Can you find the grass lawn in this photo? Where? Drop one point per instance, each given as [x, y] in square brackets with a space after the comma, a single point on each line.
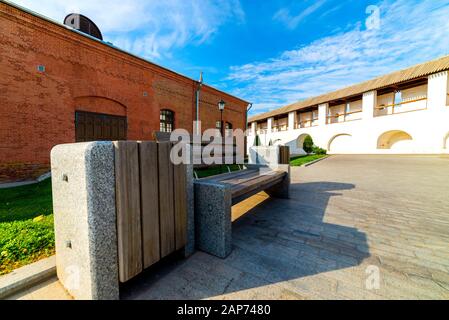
[300, 160]
[26, 225]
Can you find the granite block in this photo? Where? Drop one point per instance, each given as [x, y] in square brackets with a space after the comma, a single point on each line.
[83, 184]
[213, 228]
[190, 245]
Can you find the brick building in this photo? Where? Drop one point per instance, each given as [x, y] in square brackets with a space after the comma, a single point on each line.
[58, 85]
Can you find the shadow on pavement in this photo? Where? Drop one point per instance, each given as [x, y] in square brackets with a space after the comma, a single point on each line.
[276, 241]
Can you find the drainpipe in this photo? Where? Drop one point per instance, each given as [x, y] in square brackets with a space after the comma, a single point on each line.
[197, 118]
[246, 116]
[250, 105]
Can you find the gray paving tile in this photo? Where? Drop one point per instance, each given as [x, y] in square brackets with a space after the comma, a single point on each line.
[345, 214]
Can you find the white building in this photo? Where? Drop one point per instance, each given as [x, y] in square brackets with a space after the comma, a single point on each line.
[406, 112]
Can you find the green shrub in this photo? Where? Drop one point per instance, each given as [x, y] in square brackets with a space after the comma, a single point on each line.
[308, 144]
[257, 141]
[318, 150]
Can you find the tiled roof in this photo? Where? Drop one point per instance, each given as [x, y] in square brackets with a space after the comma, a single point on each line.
[420, 70]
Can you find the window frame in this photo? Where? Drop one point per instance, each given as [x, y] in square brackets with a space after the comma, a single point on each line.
[168, 123]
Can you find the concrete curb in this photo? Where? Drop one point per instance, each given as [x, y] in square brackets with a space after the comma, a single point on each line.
[25, 183]
[314, 161]
[27, 276]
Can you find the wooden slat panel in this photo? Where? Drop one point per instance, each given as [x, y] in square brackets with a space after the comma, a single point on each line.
[94, 126]
[80, 127]
[256, 183]
[149, 192]
[98, 123]
[281, 154]
[129, 233]
[254, 189]
[284, 155]
[89, 129]
[248, 175]
[166, 200]
[229, 175]
[122, 133]
[114, 128]
[180, 198]
[249, 179]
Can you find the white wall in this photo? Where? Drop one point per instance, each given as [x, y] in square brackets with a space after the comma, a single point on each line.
[428, 128]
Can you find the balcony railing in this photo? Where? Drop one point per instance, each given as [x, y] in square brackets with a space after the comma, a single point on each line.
[279, 128]
[306, 123]
[344, 117]
[415, 104]
[401, 107]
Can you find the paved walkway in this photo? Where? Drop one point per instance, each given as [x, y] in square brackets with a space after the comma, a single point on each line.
[48, 290]
[348, 217]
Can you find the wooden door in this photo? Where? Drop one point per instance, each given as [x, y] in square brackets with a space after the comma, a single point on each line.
[91, 126]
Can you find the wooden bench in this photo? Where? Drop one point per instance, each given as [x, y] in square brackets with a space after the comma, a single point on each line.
[214, 197]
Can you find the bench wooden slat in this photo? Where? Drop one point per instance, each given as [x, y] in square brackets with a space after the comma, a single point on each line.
[242, 178]
[166, 199]
[250, 192]
[256, 183]
[149, 184]
[246, 180]
[228, 175]
[129, 231]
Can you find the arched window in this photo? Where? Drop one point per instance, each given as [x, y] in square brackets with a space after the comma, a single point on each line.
[228, 125]
[167, 120]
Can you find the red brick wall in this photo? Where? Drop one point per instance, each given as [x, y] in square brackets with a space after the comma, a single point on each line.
[37, 109]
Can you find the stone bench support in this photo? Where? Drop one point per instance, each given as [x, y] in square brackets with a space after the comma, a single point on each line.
[85, 221]
[213, 202]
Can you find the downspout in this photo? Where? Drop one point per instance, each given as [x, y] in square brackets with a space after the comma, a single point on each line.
[246, 116]
[198, 89]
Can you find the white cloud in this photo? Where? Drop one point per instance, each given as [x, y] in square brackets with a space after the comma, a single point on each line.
[292, 21]
[149, 28]
[410, 33]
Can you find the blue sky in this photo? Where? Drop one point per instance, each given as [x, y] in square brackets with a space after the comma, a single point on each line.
[270, 52]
